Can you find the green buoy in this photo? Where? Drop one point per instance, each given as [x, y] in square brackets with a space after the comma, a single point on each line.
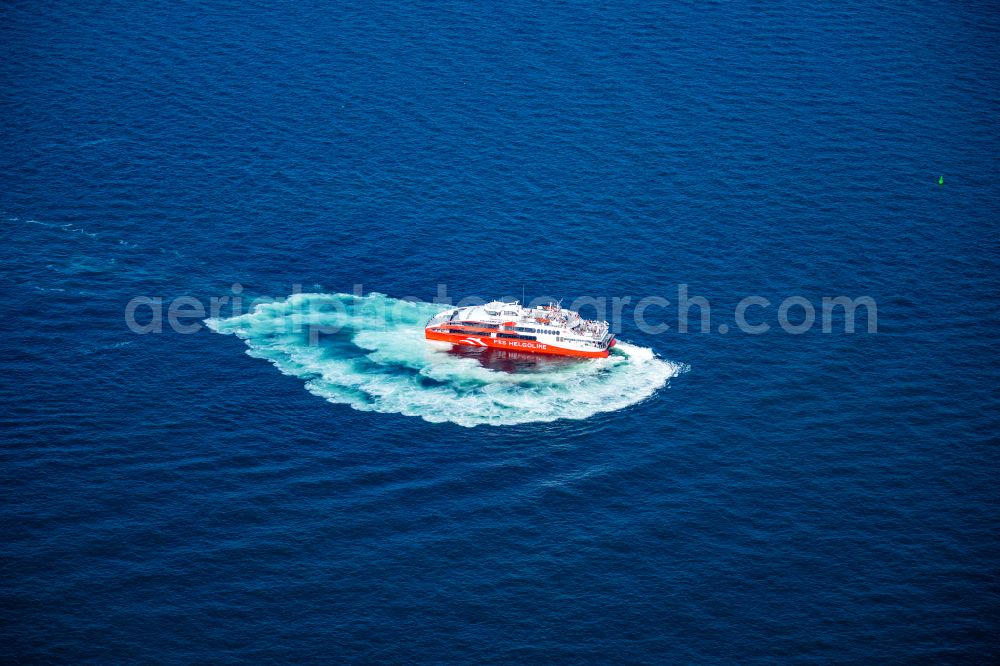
[940, 181]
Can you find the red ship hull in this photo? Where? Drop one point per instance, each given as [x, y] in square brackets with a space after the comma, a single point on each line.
[510, 344]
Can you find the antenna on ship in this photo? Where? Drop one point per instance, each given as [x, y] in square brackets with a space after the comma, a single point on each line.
[522, 294]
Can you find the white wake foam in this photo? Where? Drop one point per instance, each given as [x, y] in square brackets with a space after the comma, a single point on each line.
[369, 352]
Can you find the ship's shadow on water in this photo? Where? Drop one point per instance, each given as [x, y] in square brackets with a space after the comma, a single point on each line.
[512, 362]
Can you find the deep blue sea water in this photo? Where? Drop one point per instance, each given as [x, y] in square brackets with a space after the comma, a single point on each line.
[710, 498]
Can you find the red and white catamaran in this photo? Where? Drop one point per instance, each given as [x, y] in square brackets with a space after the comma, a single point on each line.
[547, 329]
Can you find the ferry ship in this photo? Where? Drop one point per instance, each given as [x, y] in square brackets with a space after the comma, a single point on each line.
[546, 329]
